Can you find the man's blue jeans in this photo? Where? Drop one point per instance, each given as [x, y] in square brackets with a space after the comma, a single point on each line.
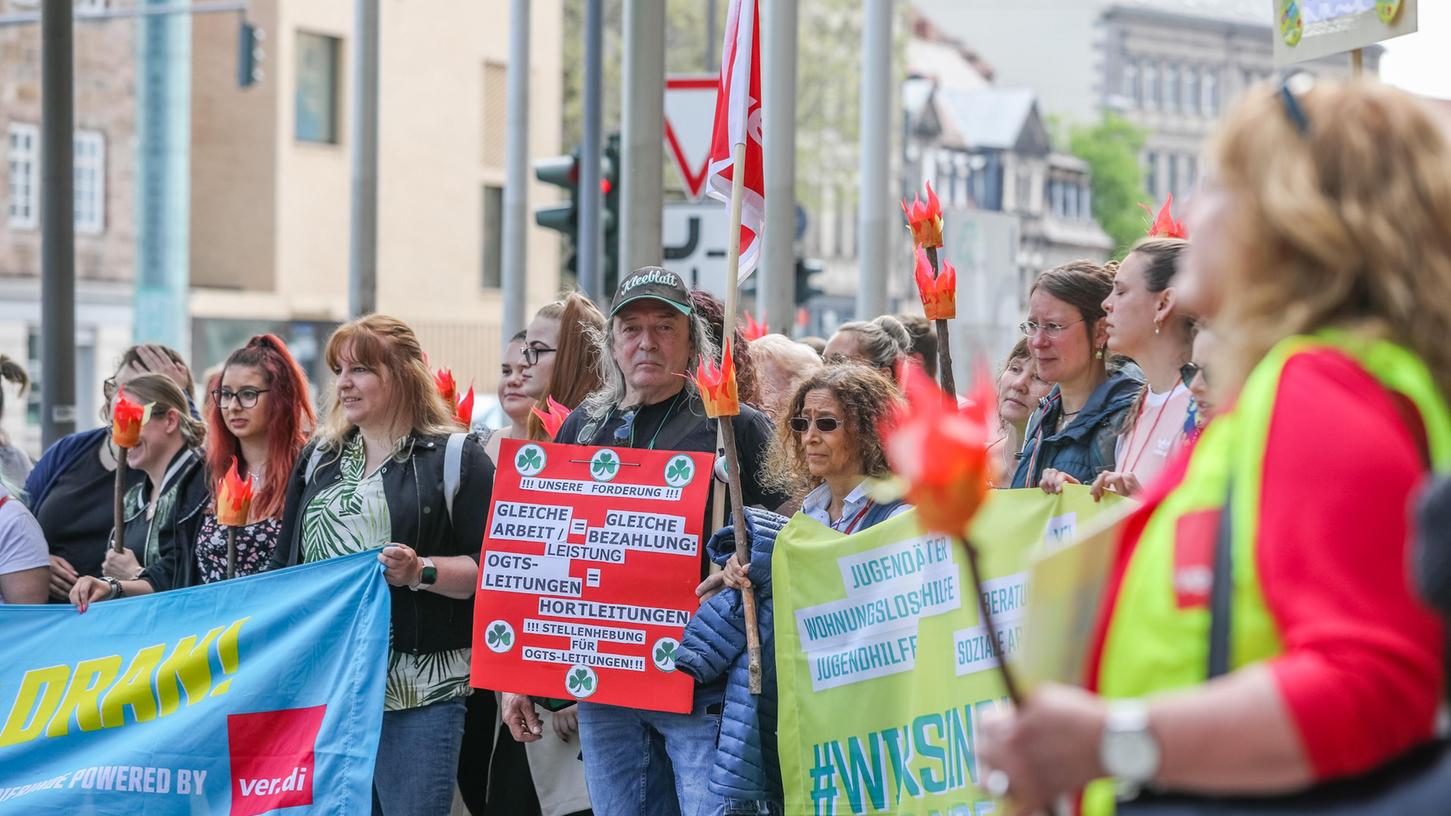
[418, 760]
[649, 762]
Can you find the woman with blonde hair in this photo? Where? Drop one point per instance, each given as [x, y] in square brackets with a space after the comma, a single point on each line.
[158, 510]
[1322, 258]
[375, 477]
[562, 356]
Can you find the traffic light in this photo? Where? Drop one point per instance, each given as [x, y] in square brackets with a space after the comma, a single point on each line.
[561, 171]
[249, 55]
[610, 198]
[805, 291]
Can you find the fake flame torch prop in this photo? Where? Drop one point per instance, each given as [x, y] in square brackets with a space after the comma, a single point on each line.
[234, 502]
[127, 417]
[553, 417]
[936, 282]
[941, 452]
[717, 387]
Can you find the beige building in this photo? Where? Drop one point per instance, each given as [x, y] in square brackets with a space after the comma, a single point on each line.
[270, 183]
[271, 177]
[105, 229]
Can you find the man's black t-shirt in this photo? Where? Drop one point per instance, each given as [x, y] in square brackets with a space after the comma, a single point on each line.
[680, 424]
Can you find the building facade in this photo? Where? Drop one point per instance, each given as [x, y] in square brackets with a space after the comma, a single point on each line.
[1174, 73]
[271, 177]
[105, 189]
[268, 206]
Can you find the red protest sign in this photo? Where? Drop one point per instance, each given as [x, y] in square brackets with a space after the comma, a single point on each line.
[588, 573]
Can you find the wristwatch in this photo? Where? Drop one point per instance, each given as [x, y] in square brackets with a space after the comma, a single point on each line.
[115, 586]
[427, 576]
[1128, 750]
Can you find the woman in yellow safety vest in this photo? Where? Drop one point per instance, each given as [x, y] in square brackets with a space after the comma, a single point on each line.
[1322, 255]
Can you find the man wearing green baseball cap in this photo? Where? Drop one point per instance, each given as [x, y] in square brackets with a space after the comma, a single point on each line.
[638, 761]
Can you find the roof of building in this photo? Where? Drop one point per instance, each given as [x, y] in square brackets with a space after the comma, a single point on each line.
[992, 118]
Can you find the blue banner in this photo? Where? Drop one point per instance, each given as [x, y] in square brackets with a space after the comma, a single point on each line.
[244, 697]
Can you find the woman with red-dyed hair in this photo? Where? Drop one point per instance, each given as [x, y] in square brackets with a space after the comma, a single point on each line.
[260, 413]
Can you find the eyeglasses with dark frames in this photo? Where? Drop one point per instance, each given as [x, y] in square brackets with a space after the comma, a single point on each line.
[247, 397]
[531, 354]
[1189, 371]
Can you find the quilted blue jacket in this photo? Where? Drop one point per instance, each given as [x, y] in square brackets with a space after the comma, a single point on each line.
[747, 765]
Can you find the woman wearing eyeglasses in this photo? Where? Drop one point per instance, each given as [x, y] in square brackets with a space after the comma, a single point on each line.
[559, 339]
[827, 449]
[1146, 323]
[70, 489]
[1073, 434]
[1259, 633]
[1196, 375]
[260, 414]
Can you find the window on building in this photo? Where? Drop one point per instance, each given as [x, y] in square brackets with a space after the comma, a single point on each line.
[1171, 87]
[1087, 207]
[1131, 89]
[1191, 90]
[1151, 174]
[1151, 79]
[1025, 189]
[1209, 93]
[89, 5]
[23, 156]
[493, 237]
[1191, 173]
[317, 88]
[1173, 167]
[90, 179]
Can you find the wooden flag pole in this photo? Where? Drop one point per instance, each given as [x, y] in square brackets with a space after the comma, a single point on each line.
[944, 342]
[727, 429]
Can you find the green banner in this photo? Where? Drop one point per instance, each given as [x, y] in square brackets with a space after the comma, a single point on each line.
[883, 669]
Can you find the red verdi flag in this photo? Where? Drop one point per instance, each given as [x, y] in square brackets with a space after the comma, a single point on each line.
[738, 121]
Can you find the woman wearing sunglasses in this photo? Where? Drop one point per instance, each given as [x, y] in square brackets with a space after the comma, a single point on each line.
[1259, 634]
[1195, 375]
[827, 449]
[260, 414]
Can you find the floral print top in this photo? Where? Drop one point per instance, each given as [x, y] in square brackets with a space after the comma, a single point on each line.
[255, 544]
[351, 515]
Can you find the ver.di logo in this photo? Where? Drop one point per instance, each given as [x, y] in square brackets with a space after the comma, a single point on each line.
[581, 681]
[499, 637]
[665, 653]
[679, 471]
[604, 465]
[529, 460]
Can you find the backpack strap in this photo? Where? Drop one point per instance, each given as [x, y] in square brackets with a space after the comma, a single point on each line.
[453, 463]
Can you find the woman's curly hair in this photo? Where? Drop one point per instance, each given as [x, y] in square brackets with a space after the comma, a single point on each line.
[867, 398]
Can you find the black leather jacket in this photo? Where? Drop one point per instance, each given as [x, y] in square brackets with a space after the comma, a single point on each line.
[423, 622]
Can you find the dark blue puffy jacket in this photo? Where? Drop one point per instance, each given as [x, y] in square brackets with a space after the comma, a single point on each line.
[747, 765]
[1085, 447]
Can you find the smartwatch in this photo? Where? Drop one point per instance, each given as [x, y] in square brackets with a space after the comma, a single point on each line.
[427, 577]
